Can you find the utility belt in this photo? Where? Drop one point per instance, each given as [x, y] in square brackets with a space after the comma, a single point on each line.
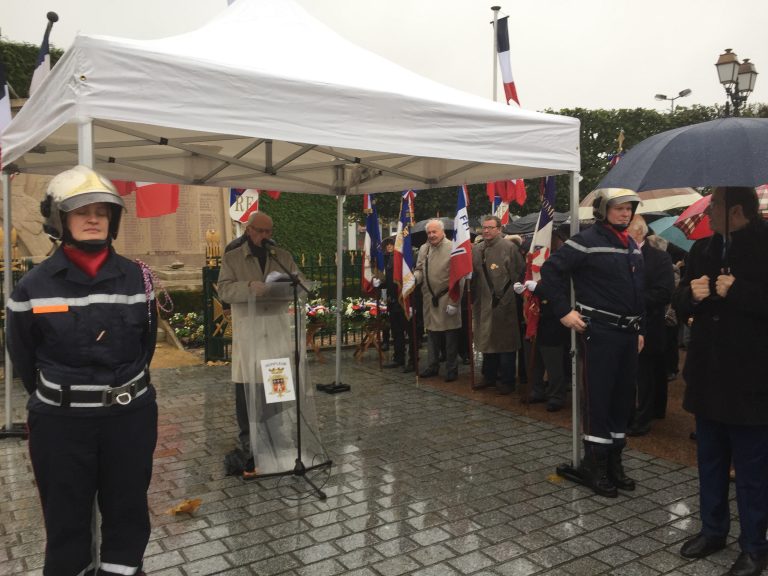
[90, 395]
[631, 323]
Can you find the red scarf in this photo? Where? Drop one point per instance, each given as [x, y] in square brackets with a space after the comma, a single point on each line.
[88, 262]
[623, 235]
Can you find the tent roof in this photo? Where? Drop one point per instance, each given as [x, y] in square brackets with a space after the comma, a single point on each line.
[265, 96]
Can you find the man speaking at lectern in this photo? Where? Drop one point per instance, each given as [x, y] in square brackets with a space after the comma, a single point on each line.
[261, 326]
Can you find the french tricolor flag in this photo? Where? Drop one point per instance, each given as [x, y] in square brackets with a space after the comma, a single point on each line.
[403, 255]
[502, 48]
[461, 249]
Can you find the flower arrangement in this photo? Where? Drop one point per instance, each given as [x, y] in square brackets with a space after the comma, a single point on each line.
[189, 328]
[358, 311]
[317, 311]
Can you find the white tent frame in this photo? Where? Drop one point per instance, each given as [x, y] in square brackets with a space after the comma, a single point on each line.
[381, 140]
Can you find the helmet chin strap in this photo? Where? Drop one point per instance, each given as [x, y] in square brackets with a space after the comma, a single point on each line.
[86, 245]
[619, 227]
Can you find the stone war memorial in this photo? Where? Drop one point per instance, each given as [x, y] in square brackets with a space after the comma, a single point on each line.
[174, 245]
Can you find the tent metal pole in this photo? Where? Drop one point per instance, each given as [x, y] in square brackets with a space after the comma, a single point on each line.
[7, 287]
[340, 198]
[574, 178]
[85, 151]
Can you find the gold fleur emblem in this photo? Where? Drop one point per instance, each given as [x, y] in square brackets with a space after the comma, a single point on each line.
[494, 266]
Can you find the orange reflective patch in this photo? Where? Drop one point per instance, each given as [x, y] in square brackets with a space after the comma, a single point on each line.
[50, 309]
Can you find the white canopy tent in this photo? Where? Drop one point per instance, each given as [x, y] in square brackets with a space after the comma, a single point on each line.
[265, 96]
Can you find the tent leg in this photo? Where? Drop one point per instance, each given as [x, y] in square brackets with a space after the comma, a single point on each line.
[85, 154]
[11, 429]
[337, 386]
[565, 469]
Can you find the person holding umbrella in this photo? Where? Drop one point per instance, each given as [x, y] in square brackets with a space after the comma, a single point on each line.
[725, 291]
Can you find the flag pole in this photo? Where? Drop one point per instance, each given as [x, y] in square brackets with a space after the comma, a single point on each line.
[495, 51]
[414, 344]
[470, 336]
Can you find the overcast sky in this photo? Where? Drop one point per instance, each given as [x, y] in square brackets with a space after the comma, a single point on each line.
[565, 53]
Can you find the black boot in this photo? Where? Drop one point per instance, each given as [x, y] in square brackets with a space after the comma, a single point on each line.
[616, 470]
[594, 471]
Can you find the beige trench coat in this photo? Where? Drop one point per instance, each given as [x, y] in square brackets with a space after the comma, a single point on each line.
[267, 319]
[436, 319]
[495, 329]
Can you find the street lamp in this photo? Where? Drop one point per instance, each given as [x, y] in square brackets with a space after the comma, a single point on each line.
[738, 79]
[681, 94]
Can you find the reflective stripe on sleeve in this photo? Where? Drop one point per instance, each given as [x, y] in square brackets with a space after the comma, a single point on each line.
[27, 305]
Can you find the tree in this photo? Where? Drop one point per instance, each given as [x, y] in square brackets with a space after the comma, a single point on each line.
[19, 60]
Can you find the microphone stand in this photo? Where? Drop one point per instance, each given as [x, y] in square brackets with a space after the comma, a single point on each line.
[299, 469]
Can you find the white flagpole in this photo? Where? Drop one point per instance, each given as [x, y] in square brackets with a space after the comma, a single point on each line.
[495, 51]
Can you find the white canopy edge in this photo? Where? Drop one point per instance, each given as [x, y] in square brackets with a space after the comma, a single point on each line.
[266, 96]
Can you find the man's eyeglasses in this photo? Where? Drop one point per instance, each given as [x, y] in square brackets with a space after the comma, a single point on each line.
[489, 227]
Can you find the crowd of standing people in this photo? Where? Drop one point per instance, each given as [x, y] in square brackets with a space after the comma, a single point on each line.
[82, 328]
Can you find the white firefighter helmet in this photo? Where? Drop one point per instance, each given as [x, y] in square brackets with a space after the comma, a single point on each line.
[605, 197]
[74, 188]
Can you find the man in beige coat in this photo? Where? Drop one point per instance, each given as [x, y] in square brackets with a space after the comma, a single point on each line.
[442, 316]
[497, 264]
[261, 326]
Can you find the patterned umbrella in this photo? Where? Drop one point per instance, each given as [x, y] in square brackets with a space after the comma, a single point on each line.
[694, 222]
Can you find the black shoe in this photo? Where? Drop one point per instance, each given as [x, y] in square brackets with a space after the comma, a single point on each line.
[748, 565]
[451, 377]
[639, 430]
[701, 546]
[616, 472]
[428, 373]
[408, 368]
[465, 360]
[534, 400]
[502, 390]
[483, 384]
[554, 407]
[393, 365]
[385, 346]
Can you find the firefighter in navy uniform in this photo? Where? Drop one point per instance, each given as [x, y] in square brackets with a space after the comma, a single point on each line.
[81, 334]
[606, 267]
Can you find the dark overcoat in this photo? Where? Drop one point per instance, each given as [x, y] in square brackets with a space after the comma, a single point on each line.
[725, 368]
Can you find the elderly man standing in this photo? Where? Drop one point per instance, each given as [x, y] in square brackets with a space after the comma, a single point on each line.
[497, 264]
[246, 281]
[442, 316]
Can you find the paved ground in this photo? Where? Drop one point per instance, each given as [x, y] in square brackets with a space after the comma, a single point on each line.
[424, 482]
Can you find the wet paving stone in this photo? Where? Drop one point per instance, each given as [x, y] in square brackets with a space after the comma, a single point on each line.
[424, 483]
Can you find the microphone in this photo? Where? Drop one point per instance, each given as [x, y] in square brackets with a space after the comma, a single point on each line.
[269, 244]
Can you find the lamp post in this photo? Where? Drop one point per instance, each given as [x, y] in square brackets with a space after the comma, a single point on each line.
[681, 94]
[738, 80]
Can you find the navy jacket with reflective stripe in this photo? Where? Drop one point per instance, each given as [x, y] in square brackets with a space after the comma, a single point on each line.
[606, 275]
[81, 330]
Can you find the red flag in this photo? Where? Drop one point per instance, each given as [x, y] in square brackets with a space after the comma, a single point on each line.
[520, 195]
[508, 190]
[274, 194]
[156, 199]
[461, 249]
[124, 187]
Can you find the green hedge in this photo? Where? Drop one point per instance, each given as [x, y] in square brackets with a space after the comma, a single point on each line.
[20, 59]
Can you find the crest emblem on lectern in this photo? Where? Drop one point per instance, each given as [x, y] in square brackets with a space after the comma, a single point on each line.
[277, 380]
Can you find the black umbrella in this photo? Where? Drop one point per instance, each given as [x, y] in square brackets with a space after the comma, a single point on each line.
[527, 224]
[724, 152]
